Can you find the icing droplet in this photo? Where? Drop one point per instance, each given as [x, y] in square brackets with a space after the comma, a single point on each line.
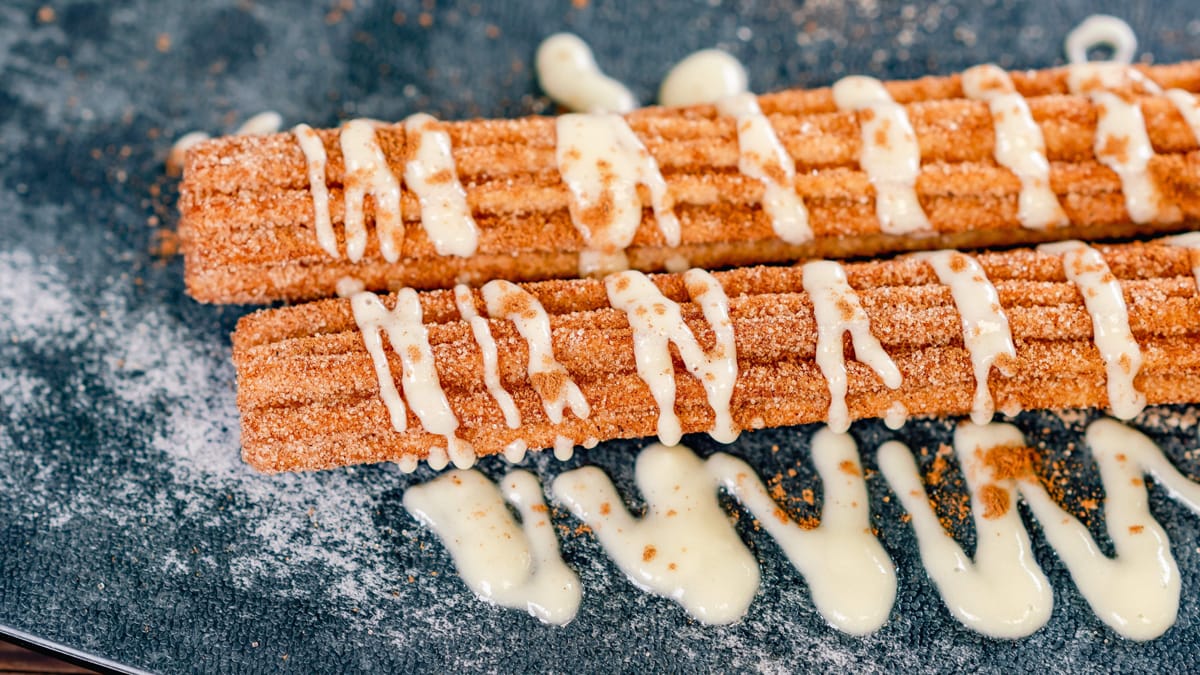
[567, 72]
[706, 76]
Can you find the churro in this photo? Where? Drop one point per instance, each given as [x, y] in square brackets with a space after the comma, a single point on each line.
[582, 361]
[979, 159]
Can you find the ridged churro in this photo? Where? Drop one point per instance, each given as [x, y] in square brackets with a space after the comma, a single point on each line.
[942, 333]
[858, 169]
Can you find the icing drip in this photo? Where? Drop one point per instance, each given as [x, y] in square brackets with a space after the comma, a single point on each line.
[1020, 147]
[511, 565]
[487, 349]
[762, 157]
[564, 448]
[657, 321]
[1122, 142]
[367, 173]
[506, 300]
[684, 548]
[896, 416]
[890, 155]
[438, 459]
[838, 310]
[1101, 292]
[986, 334]
[706, 76]
[407, 463]
[419, 378]
[853, 582]
[433, 177]
[567, 72]
[315, 161]
[1123, 145]
[515, 452]
[603, 162]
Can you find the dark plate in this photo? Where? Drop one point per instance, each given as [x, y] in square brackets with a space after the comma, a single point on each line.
[130, 529]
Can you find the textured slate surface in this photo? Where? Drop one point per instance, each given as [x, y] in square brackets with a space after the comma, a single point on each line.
[130, 529]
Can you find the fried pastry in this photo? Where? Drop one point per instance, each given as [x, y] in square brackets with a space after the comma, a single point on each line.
[978, 159]
[451, 374]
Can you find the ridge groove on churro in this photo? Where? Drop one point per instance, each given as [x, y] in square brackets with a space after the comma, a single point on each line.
[1066, 326]
[859, 169]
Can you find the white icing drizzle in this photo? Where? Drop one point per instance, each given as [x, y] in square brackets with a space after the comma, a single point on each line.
[368, 173]
[1101, 29]
[657, 321]
[506, 300]
[432, 175]
[1188, 105]
[1003, 592]
[706, 76]
[315, 162]
[1020, 147]
[1101, 292]
[762, 157]
[1122, 142]
[567, 72]
[511, 565]
[853, 582]
[487, 349]
[564, 448]
[1123, 145]
[1137, 592]
[893, 165]
[684, 548]
[1190, 240]
[838, 310]
[986, 334]
[602, 162]
[419, 378]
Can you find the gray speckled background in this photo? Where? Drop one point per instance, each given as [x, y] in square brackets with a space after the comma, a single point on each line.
[130, 530]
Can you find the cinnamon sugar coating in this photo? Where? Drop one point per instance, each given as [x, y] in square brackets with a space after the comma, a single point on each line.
[309, 397]
[248, 223]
